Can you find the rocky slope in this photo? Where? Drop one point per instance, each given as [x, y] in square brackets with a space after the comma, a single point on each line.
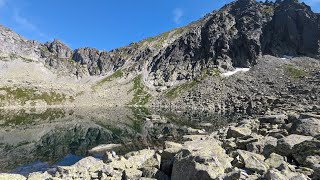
[237, 35]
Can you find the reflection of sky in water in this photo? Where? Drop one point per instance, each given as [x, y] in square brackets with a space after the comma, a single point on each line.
[38, 166]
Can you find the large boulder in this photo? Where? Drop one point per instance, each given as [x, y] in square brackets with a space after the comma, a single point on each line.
[275, 160]
[202, 159]
[275, 174]
[251, 161]
[274, 119]
[86, 168]
[308, 126]
[237, 132]
[285, 145]
[264, 146]
[137, 159]
[167, 156]
[6, 176]
[38, 175]
[307, 153]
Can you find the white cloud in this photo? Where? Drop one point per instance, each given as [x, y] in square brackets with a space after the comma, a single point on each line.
[177, 15]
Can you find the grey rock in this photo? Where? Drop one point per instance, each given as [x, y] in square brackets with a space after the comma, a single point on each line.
[265, 146]
[131, 174]
[203, 159]
[307, 153]
[274, 119]
[151, 172]
[251, 161]
[37, 176]
[275, 160]
[237, 132]
[12, 176]
[286, 144]
[274, 174]
[307, 127]
[59, 49]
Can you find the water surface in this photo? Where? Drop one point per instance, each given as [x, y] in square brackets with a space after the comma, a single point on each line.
[37, 140]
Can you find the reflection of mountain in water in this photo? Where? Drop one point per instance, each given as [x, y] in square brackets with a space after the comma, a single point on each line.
[50, 135]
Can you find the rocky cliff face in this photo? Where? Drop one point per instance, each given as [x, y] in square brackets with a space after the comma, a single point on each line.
[236, 36]
[294, 30]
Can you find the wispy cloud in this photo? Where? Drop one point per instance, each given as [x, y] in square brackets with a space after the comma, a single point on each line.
[177, 15]
[2, 3]
[23, 22]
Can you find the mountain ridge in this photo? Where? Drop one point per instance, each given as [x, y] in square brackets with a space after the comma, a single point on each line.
[240, 34]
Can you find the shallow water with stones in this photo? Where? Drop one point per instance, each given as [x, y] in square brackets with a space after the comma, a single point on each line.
[41, 139]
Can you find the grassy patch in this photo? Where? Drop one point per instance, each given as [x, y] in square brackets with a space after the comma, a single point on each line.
[178, 90]
[23, 118]
[268, 10]
[115, 75]
[294, 73]
[24, 94]
[163, 36]
[140, 96]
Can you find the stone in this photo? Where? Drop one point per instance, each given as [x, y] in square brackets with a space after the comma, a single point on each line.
[251, 161]
[193, 137]
[274, 174]
[237, 132]
[202, 159]
[167, 156]
[3, 93]
[137, 159]
[169, 144]
[151, 172]
[265, 146]
[316, 174]
[309, 115]
[307, 153]
[6, 176]
[144, 158]
[285, 145]
[307, 127]
[104, 147]
[235, 174]
[132, 174]
[306, 171]
[275, 160]
[274, 119]
[38, 176]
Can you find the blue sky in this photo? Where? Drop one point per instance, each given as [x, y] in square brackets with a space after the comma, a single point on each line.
[103, 24]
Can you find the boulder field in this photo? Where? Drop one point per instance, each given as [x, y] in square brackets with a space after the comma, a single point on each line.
[272, 147]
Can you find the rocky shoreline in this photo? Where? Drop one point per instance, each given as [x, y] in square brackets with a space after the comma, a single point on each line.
[281, 146]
